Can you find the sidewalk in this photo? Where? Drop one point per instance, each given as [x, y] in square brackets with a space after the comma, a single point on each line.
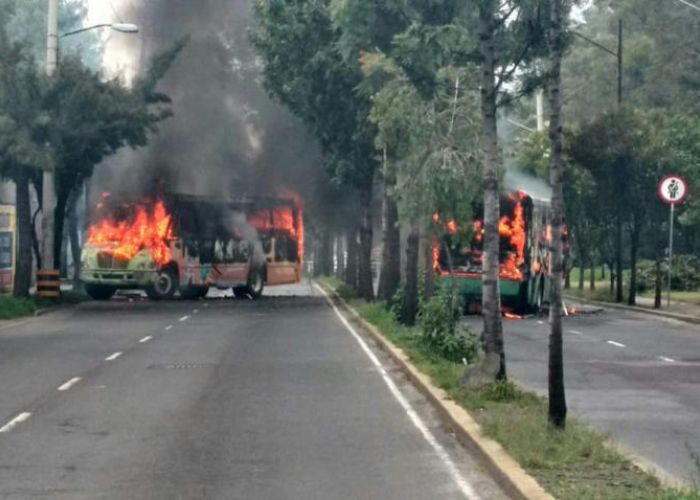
[681, 311]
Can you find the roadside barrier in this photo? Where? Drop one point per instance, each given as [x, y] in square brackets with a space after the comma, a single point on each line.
[48, 283]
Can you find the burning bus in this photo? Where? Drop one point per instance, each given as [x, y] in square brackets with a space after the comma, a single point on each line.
[524, 235]
[187, 244]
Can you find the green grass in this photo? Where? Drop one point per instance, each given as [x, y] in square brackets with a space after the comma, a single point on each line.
[689, 297]
[13, 308]
[571, 464]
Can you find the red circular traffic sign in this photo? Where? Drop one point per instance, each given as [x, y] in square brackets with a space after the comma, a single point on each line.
[672, 190]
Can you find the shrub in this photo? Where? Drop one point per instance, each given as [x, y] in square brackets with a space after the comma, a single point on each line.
[442, 331]
[685, 276]
[346, 292]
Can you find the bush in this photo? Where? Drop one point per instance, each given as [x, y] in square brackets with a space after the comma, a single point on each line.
[346, 292]
[685, 276]
[443, 333]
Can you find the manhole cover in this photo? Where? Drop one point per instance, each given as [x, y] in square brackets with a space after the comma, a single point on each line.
[179, 366]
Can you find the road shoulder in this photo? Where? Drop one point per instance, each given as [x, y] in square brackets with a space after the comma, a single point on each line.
[491, 454]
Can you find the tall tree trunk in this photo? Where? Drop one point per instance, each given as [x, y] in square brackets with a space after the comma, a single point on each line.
[365, 288]
[557, 395]
[602, 270]
[612, 278]
[618, 259]
[591, 282]
[493, 366]
[657, 279]
[581, 272]
[351, 266]
[567, 279]
[74, 234]
[339, 257]
[23, 268]
[35, 239]
[391, 259]
[409, 308]
[325, 253]
[634, 246]
[59, 221]
[429, 270]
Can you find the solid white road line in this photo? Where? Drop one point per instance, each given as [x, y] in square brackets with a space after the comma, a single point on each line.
[169, 327]
[145, 339]
[616, 344]
[22, 417]
[667, 360]
[69, 384]
[113, 356]
[464, 486]
[184, 318]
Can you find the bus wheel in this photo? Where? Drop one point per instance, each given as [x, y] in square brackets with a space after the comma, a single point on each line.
[194, 292]
[100, 292]
[165, 286]
[256, 283]
[240, 292]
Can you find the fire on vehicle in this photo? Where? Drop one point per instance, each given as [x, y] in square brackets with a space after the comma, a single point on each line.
[187, 244]
[524, 254]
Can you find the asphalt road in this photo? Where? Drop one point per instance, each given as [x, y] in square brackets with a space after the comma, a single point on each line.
[631, 375]
[229, 399]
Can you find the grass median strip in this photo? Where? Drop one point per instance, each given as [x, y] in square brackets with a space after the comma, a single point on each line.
[576, 463]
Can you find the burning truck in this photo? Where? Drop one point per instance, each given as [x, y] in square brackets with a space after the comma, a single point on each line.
[524, 254]
[187, 244]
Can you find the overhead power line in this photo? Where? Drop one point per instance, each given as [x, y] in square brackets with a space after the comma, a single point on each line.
[691, 5]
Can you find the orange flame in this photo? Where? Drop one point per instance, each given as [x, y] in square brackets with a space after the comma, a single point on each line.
[282, 219]
[124, 239]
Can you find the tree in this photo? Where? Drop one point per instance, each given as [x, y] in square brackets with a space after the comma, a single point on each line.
[557, 397]
[23, 125]
[434, 145]
[622, 157]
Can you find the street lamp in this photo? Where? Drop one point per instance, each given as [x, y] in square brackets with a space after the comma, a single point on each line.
[120, 27]
[48, 188]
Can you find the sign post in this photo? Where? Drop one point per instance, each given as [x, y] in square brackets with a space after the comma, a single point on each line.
[673, 190]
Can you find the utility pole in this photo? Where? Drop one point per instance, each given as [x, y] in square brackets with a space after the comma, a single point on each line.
[48, 192]
[619, 62]
[617, 54]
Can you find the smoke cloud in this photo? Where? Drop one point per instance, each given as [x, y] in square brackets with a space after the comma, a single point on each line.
[226, 138]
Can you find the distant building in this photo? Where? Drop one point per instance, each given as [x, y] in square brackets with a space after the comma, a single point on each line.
[8, 236]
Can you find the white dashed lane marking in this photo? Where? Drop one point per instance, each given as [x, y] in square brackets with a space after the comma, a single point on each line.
[22, 417]
[169, 327]
[616, 344]
[184, 318]
[114, 356]
[667, 360]
[69, 384]
[196, 311]
[575, 332]
[145, 339]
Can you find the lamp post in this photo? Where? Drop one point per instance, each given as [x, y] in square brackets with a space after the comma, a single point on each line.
[48, 185]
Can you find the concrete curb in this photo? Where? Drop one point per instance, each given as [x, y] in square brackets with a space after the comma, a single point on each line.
[609, 305]
[511, 476]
